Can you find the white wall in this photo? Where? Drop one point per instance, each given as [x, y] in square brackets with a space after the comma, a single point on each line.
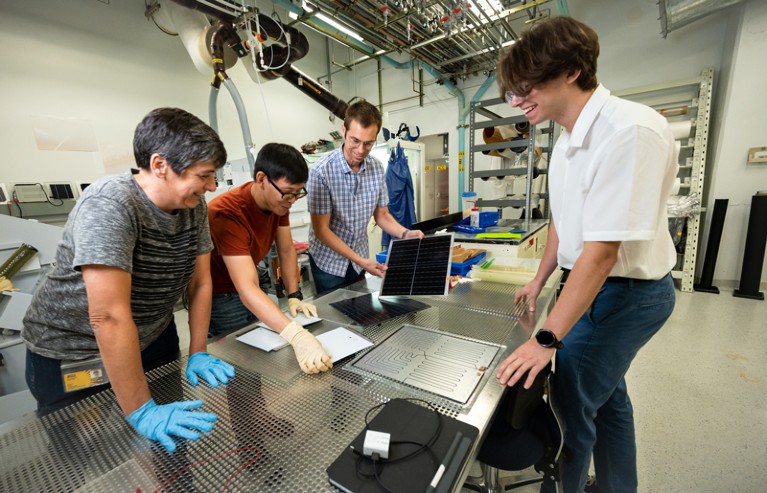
[633, 53]
[741, 124]
[109, 65]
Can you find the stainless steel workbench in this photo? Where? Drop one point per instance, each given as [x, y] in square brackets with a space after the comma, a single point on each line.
[277, 428]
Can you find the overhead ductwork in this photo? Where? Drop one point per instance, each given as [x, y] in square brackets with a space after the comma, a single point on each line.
[214, 48]
[677, 13]
[195, 31]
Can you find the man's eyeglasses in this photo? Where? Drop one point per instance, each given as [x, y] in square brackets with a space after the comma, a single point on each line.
[524, 91]
[289, 195]
[355, 142]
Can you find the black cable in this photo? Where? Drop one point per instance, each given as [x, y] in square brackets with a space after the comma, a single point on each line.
[376, 461]
[48, 198]
[149, 12]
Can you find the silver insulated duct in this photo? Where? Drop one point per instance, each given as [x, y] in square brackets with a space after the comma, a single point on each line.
[677, 13]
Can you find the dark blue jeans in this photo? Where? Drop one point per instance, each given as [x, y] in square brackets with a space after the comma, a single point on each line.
[324, 282]
[590, 384]
[46, 384]
[228, 314]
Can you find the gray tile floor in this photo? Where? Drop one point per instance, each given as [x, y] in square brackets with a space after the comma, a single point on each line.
[699, 390]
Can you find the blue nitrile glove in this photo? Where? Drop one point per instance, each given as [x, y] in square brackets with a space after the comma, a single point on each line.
[160, 422]
[211, 369]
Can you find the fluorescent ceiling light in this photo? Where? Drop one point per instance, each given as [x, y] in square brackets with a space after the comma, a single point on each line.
[339, 26]
[327, 20]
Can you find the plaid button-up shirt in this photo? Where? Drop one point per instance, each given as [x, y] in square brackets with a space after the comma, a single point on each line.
[350, 199]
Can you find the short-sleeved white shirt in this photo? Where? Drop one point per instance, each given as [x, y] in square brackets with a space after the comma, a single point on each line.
[609, 180]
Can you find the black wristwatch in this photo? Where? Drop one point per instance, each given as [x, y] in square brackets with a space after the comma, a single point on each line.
[548, 339]
[296, 295]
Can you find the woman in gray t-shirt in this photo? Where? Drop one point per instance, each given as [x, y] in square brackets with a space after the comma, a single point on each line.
[133, 244]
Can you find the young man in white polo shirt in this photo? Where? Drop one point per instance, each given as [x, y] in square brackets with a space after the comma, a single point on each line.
[611, 170]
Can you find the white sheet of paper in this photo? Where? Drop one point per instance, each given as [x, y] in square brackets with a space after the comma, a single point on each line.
[263, 338]
[342, 342]
[302, 320]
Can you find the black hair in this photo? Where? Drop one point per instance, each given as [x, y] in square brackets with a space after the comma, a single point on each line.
[281, 160]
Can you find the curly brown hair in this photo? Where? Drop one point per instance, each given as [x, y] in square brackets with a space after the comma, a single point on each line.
[551, 48]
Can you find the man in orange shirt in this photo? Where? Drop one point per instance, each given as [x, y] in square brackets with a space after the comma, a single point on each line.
[244, 222]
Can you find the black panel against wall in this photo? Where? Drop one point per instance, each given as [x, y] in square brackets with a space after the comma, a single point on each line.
[712, 249]
[61, 191]
[418, 267]
[753, 255]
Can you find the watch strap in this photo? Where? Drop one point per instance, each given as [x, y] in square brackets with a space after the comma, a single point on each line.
[296, 295]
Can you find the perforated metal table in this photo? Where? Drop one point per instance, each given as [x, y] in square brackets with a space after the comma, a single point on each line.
[277, 429]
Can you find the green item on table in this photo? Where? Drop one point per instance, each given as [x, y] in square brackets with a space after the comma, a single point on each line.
[500, 236]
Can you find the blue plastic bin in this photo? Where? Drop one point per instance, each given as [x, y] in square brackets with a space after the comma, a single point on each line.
[456, 268]
[463, 268]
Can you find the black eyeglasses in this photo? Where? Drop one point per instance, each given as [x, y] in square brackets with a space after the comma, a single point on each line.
[355, 142]
[288, 195]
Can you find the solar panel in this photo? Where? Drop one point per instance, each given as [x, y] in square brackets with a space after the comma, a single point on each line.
[418, 267]
[369, 310]
[62, 191]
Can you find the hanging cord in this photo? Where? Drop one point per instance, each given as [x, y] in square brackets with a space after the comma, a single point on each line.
[257, 40]
[252, 43]
[150, 11]
[283, 35]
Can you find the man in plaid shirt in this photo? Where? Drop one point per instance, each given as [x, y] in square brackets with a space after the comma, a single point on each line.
[346, 188]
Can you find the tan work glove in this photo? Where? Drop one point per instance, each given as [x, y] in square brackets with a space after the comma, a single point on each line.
[310, 354]
[294, 304]
[7, 285]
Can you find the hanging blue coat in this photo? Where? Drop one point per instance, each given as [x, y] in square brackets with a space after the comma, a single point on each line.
[401, 193]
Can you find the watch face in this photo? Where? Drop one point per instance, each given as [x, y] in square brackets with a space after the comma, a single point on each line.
[546, 338]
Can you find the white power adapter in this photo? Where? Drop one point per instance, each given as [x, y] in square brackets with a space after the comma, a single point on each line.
[376, 442]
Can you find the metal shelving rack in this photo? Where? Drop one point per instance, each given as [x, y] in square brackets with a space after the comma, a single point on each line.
[494, 120]
[694, 95]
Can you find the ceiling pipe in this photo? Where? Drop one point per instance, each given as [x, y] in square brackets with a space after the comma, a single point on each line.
[562, 7]
[678, 13]
[450, 86]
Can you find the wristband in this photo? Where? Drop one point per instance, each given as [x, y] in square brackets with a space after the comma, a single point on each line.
[296, 295]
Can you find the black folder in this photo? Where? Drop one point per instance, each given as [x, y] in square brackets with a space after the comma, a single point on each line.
[406, 421]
